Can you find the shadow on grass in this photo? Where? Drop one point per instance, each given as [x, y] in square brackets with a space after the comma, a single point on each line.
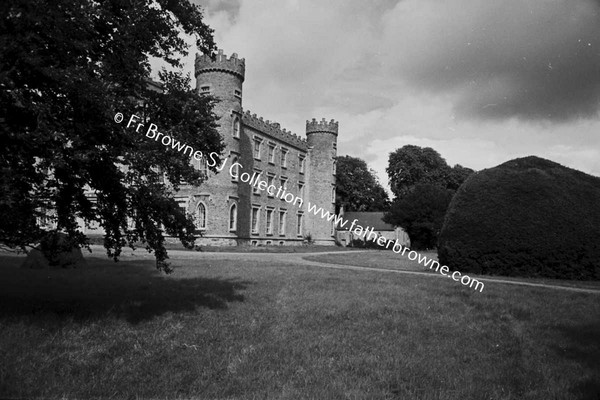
[131, 290]
[586, 352]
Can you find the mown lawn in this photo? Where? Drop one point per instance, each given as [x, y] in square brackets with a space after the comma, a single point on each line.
[386, 259]
[225, 329]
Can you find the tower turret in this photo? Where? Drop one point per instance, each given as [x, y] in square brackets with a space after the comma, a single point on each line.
[321, 137]
[223, 78]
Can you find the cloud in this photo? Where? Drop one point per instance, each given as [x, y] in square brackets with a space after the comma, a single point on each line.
[480, 81]
[528, 59]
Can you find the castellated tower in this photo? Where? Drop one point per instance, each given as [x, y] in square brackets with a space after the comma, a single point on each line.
[223, 79]
[322, 143]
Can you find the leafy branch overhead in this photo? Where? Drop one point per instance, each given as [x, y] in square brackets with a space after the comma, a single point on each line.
[66, 67]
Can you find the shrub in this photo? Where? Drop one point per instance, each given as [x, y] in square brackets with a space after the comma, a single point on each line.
[527, 217]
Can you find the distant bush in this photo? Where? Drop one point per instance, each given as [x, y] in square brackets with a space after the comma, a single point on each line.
[527, 217]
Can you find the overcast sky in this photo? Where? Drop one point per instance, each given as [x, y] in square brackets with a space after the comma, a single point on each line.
[480, 81]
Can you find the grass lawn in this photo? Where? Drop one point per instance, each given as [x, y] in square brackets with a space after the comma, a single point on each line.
[389, 260]
[250, 329]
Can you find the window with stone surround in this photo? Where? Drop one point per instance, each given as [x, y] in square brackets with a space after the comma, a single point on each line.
[284, 153]
[255, 219]
[282, 215]
[270, 180]
[257, 145]
[272, 153]
[235, 170]
[255, 189]
[236, 127]
[201, 216]
[270, 213]
[300, 222]
[301, 162]
[233, 217]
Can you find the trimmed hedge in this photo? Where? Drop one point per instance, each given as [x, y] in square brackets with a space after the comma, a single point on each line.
[528, 217]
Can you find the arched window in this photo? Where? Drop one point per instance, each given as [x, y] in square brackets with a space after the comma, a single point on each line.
[201, 216]
[236, 127]
[333, 169]
[233, 217]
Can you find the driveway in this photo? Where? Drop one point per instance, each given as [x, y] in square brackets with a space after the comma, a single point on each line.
[299, 258]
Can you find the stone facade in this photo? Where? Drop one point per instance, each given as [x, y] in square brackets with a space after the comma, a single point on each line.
[231, 212]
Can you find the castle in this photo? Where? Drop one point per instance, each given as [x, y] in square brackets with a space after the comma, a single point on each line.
[230, 212]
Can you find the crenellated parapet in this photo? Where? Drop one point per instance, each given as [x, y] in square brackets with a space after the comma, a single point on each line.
[232, 65]
[321, 126]
[274, 130]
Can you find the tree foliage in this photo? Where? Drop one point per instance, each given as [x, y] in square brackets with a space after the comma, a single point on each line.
[357, 187]
[66, 68]
[421, 213]
[424, 185]
[411, 165]
[527, 217]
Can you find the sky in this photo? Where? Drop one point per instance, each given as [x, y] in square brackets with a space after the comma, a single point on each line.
[480, 81]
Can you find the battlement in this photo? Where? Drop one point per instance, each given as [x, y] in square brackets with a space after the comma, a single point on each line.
[274, 130]
[232, 65]
[321, 126]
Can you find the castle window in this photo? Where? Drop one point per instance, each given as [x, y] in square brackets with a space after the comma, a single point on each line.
[233, 217]
[333, 168]
[301, 189]
[205, 90]
[235, 170]
[201, 216]
[255, 189]
[301, 163]
[332, 228]
[284, 153]
[269, 222]
[283, 183]
[270, 179]
[237, 93]
[257, 143]
[182, 203]
[282, 214]
[333, 195]
[300, 221]
[236, 127]
[255, 218]
[271, 153]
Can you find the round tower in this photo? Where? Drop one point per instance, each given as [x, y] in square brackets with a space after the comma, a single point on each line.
[321, 137]
[222, 78]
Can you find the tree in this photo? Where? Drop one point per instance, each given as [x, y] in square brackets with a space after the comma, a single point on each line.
[527, 217]
[421, 213]
[66, 68]
[424, 185]
[357, 187]
[411, 165]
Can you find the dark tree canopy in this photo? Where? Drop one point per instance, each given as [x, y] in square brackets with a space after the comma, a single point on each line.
[357, 187]
[424, 185]
[527, 217]
[421, 213]
[411, 165]
[66, 68]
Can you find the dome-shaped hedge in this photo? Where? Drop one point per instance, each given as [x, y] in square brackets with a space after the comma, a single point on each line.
[526, 217]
